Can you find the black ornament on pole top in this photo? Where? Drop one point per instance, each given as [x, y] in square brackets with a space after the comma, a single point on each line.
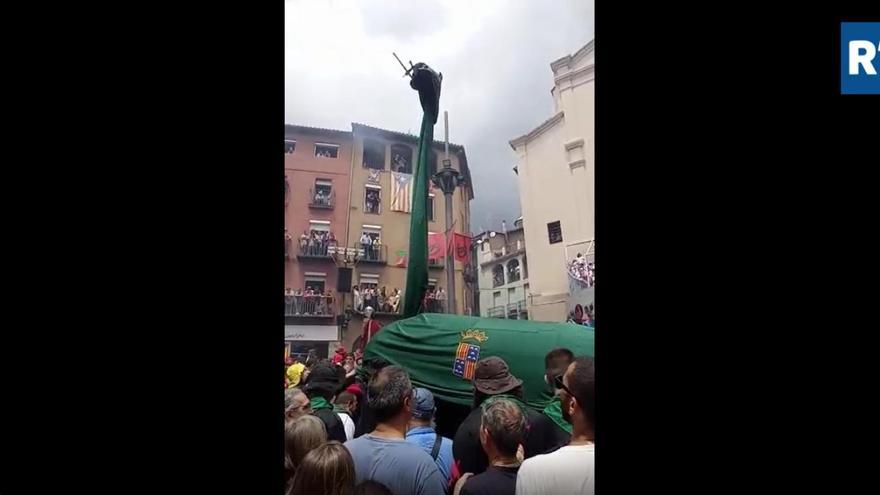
[427, 82]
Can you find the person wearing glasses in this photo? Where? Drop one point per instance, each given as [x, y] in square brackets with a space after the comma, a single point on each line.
[559, 430]
[570, 468]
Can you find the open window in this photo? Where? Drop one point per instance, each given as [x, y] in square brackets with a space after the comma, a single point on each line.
[327, 150]
[498, 276]
[318, 285]
[368, 285]
[401, 158]
[315, 242]
[430, 210]
[513, 273]
[370, 242]
[374, 154]
[322, 193]
[372, 199]
[289, 146]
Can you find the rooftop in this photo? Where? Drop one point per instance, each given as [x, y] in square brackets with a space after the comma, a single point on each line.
[401, 136]
[315, 130]
[366, 129]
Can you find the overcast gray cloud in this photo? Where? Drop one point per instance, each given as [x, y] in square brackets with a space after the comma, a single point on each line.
[494, 55]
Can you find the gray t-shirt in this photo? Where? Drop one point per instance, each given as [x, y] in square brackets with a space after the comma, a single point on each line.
[401, 466]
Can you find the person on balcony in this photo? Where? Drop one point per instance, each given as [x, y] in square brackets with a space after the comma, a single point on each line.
[297, 301]
[382, 301]
[303, 241]
[321, 302]
[368, 297]
[441, 299]
[358, 299]
[328, 302]
[394, 301]
[288, 301]
[376, 248]
[331, 240]
[428, 301]
[365, 244]
[311, 245]
[309, 301]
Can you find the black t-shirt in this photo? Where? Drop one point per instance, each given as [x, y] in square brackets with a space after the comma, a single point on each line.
[495, 481]
[556, 437]
[466, 448]
[335, 428]
[366, 421]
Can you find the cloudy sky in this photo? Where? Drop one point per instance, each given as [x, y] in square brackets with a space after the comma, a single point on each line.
[494, 55]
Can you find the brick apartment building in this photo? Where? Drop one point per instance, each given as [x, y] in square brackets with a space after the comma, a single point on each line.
[340, 183]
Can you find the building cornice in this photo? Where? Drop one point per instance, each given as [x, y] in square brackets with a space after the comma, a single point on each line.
[588, 70]
[569, 59]
[537, 131]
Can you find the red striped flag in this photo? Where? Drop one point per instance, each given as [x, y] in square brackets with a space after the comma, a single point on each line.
[462, 351]
[469, 370]
[401, 192]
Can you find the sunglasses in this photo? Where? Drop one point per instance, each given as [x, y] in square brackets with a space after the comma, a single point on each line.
[558, 384]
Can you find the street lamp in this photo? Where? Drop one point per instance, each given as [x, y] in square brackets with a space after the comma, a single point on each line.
[447, 179]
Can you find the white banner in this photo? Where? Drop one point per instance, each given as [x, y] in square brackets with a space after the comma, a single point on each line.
[311, 332]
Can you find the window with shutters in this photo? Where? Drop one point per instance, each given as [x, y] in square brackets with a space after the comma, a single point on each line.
[554, 232]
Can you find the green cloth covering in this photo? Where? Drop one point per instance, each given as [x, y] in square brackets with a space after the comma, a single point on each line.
[554, 412]
[338, 408]
[417, 264]
[426, 346]
[319, 403]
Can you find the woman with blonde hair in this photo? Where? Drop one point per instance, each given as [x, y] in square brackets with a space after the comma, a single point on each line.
[300, 436]
[326, 470]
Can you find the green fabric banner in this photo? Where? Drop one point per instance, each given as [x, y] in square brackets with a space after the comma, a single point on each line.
[417, 263]
[427, 83]
[437, 350]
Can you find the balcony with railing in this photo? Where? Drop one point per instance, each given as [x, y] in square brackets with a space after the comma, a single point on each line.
[321, 199]
[309, 306]
[433, 305]
[371, 253]
[436, 263]
[315, 249]
[513, 311]
[496, 312]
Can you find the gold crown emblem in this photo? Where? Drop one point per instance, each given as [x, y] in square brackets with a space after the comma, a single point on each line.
[473, 333]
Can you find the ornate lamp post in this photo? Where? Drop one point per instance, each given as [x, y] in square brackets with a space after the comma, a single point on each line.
[447, 179]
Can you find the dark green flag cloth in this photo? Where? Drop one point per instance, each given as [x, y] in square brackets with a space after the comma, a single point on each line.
[554, 412]
[319, 403]
[427, 83]
[437, 349]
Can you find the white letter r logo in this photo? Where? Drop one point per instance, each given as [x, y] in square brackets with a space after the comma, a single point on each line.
[861, 52]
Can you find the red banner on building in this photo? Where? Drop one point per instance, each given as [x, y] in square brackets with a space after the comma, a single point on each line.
[462, 248]
[436, 247]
